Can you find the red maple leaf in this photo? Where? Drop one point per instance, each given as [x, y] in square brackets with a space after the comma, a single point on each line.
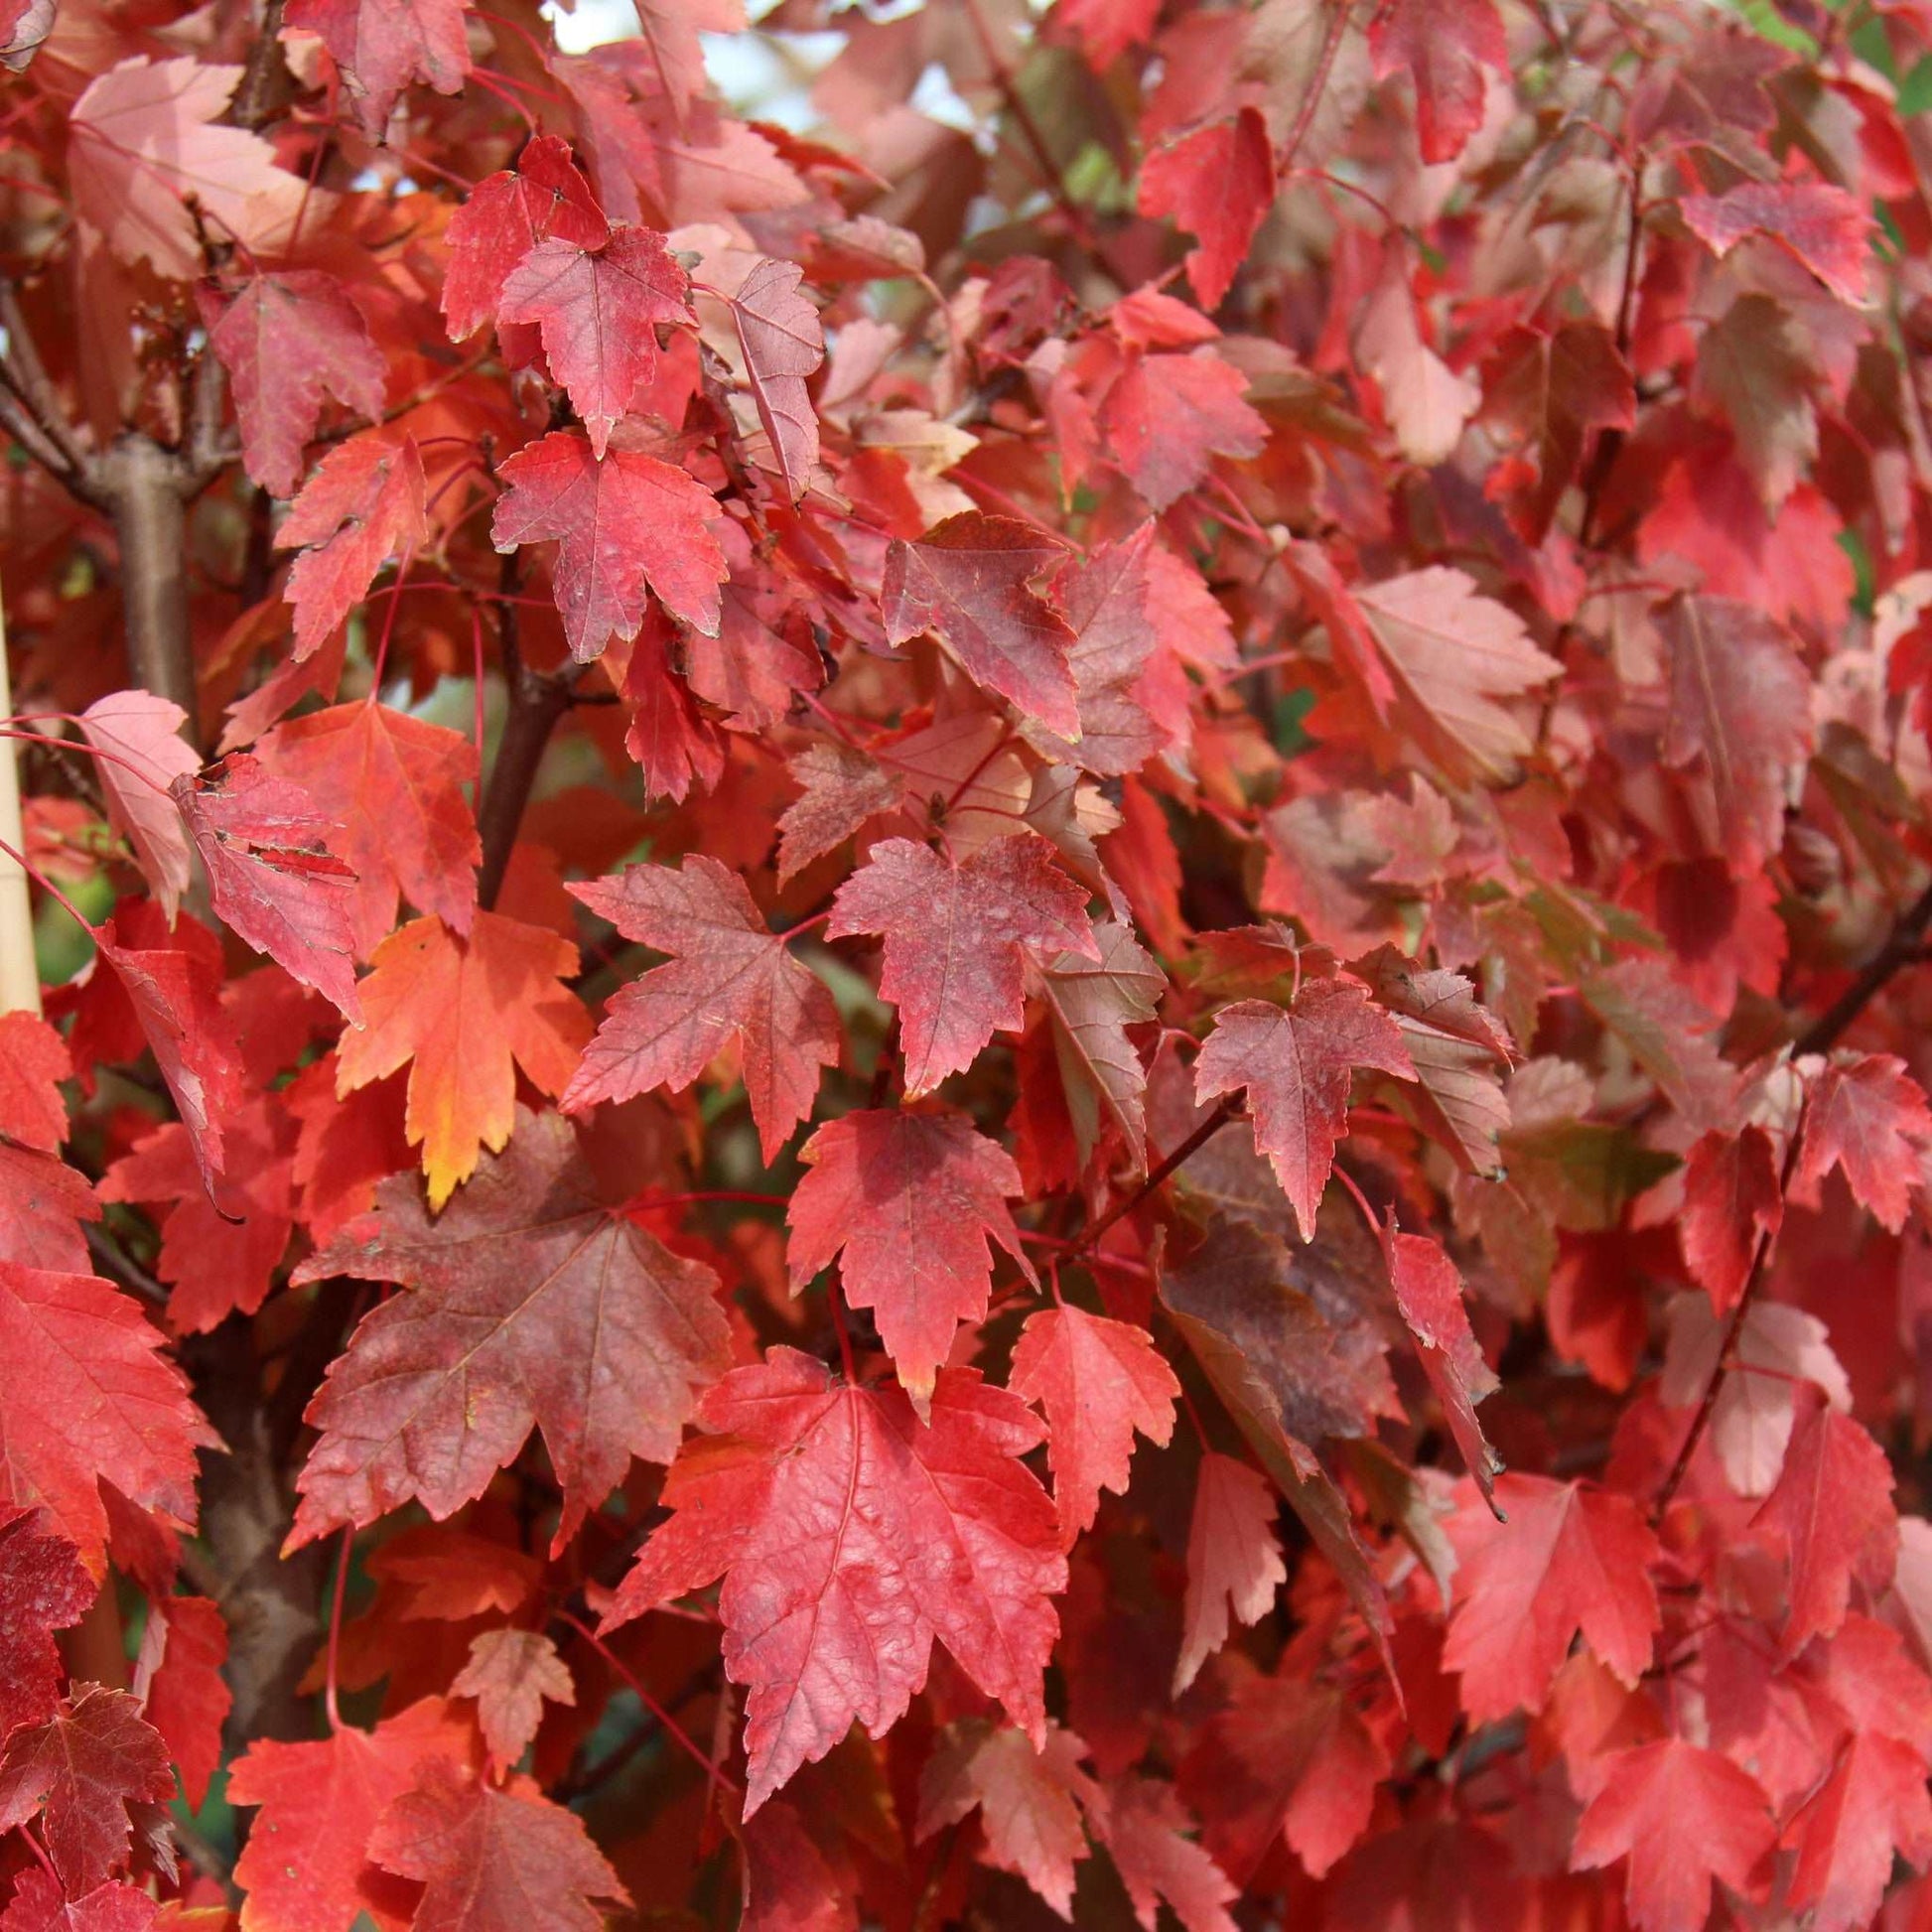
[492, 1861]
[412, 834]
[362, 505]
[286, 341]
[89, 1398]
[511, 1674]
[530, 1304]
[1429, 1292]
[173, 991]
[1170, 416]
[626, 522]
[272, 877]
[1565, 1556]
[34, 1060]
[1145, 1828]
[1446, 44]
[183, 1646]
[966, 582]
[83, 1767]
[382, 46]
[1871, 1808]
[597, 310]
[1217, 183]
[307, 1866]
[1826, 228]
[39, 1905]
[850, 1535]
[1833, 1506]
[1740, 712]
[1282, 1757]
[506, 215]
[1731, 1204]
[1030, 1802]
[43, 1588]
[1234, 1559]
[220, 1249]
[1098, 1381]
[1683, 1816]
[465, 1015]
[784, 342]
[1866, 1115]
[145, 753]
[1295, 1064]
[956, 934]
[730, 977]
[910, 1204]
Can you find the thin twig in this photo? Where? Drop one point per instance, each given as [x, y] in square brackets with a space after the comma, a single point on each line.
[1760, 1261]
[113, 1261]
[26, 374]
[209, 1860]
[1186, 1152]
[1317, 83]
[1901, 948]
[672, 1729]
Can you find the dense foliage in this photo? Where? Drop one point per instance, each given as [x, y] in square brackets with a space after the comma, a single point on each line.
[1005, 1001]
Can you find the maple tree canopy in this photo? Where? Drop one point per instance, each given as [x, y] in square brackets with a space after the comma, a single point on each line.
[966, 964]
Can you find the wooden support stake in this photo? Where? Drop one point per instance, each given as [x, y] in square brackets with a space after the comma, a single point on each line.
[20, 980]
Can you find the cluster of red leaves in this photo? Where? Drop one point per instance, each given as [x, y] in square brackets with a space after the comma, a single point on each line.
[979, 897]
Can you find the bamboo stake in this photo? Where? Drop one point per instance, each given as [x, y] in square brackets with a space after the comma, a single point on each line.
[20, 980]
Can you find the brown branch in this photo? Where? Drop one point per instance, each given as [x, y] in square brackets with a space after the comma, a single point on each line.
[210, 445]
[1901, 947]
[112, 1260]
[19, 423]
[537, 703]
[1610, 442]
[1184, 1152]
[143, 484]
[26, 374]
[1015, 103]
[1727, 1351]
[266, 86]
[1318, 82]
[271, 1602]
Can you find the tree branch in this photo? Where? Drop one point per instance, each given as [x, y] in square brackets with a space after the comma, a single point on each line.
[1900, 948]
[537, 703]
[142, 483]
[143, 486]
[1727, 1351]
[1184, 1152]
[208, 448]
[270, 1600]
[266, 86]
[26, 375]
[1317, 84]
[19, 423]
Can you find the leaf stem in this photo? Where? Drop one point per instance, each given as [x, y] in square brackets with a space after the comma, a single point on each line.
[672, 1729]
[336, 1628]
[91, 750]
[47, 886]
[845, 1337]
